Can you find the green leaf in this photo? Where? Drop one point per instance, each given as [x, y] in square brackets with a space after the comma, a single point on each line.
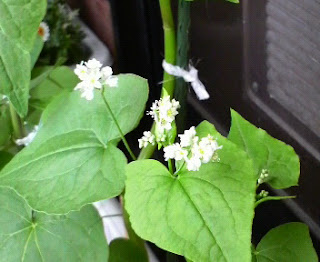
[19, 22]
[71, 112]
[286, 243]
[205, 215]
[51, 82]
[5, 157]
[73, 160]
[66, 172]
[124, 250]
[280, 160]
[25, 237]
[36, 50]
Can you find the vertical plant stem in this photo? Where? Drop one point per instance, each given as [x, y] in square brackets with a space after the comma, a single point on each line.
[170, 166]
[18, 131]
[170, 56]
[181, 89]
[118, 127]
[169, 45]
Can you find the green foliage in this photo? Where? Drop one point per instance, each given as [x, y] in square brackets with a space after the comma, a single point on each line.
[31, 237]
[205, 215]
[18, 29]
[73, 160]
[125, 250]
[65, 35]
[286, 243]
[36, 50]
[48, 82]
[5, 157]
[279, 159]
[66, 172]
[51, 82]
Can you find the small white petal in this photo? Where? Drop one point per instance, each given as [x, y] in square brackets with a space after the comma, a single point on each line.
[112, 81]
[93, 64]
[186, 139]
[106, 72]
[193, 164]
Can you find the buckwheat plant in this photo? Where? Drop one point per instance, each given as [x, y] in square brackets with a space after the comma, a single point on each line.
[59, 155]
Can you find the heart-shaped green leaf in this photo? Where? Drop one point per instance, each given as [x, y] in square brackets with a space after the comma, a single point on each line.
[71, 112]
[35, 237]
[279, 159]
[286, 243]
[19, 23]
[66, 172]
[205, 215]
[73, 160]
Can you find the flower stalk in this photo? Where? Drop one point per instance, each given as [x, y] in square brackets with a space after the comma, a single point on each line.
[124, 140]
[169, 56]
[17, 126]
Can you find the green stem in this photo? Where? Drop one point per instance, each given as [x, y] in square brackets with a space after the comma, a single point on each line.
[117, 125]
[177, 172]
[170, 56]
[169, 45]
[170, 166]
[18, 131]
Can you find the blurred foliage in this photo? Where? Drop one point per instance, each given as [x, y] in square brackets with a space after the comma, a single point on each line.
[65, 35]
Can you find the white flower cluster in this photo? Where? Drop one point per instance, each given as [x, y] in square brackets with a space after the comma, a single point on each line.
[163, 112]
[148, 138]
[192, 151]
[263, 176]
[92, 76]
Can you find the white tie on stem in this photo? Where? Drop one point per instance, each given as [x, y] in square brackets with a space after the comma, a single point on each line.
[190, 76]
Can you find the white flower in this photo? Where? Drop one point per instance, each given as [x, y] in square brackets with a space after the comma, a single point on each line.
[210, 141]
[86, 90]
[44, 31]
[93, 64]
[148, 138]
[29, 138]
[93, 77]
[194, 163]
[188, 136]
[170, 151]
[163, 112]
[193, 151]
[81, 71]
[106, 72]
[175, 152]
[92, 81]
[181, 154]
